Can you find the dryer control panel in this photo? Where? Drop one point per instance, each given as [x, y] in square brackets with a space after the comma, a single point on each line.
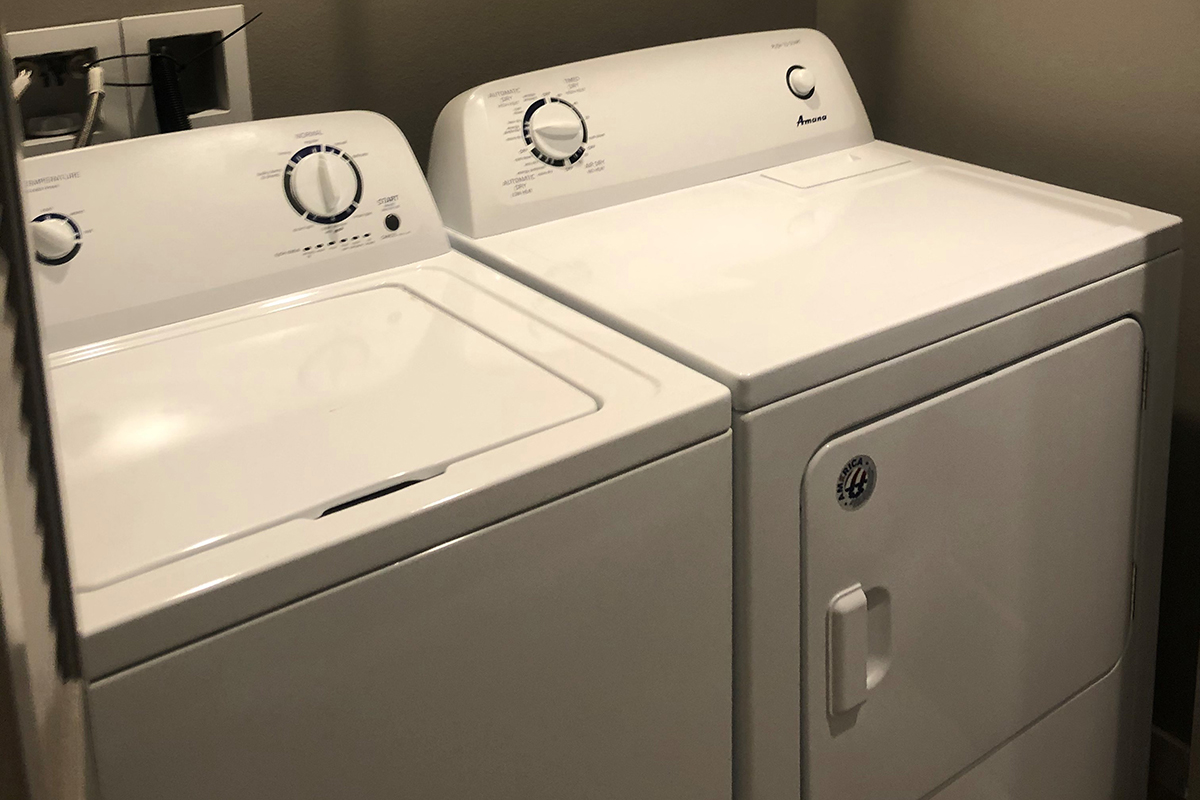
[561, 141]
[150, 231]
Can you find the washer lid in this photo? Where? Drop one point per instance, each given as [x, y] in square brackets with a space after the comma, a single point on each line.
[189, 436]
[780, 281]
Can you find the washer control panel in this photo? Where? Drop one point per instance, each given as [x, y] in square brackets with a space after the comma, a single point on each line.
[561, 141]
[155, 230]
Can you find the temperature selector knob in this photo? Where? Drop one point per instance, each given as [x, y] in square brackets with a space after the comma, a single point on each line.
[56, 238]
[555, 131]
[323, 184]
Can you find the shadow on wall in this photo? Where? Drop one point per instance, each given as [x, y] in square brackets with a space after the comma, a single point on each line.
[1179, 622]
[1097, 95]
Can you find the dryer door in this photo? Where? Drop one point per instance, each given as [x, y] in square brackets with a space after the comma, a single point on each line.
[967, 567]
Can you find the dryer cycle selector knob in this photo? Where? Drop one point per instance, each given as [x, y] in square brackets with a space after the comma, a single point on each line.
[323, 184]
[56, 238]
[555, 131]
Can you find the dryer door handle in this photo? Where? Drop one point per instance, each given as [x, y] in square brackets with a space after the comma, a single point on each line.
[846, 650]
[858, 639]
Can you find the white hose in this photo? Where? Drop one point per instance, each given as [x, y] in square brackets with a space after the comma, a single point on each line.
[95, 79]
[21, 83]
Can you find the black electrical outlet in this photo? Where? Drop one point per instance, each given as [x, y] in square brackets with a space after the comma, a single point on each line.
[202, 79]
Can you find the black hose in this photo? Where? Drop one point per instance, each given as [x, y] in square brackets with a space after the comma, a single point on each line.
[168, 98]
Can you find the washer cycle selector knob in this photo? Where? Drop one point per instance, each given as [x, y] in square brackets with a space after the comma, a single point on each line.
[323, 184]
[801, 81]
[556, 132]
[56, 238]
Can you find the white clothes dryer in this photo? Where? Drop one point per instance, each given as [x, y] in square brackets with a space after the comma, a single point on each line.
[952, 396]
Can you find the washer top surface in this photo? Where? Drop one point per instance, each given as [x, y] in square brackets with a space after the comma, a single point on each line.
[175, 441]
[778, 281]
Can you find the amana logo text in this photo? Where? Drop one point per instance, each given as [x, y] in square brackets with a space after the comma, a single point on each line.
[810, 120]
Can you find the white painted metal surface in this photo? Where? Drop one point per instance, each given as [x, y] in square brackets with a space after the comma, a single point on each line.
[775, 446]
[773, 288]
[734, 239]
[832, 281]
[578, 649]
[1000, 557]
[1075, 753]
[143, 424]
[240, 379]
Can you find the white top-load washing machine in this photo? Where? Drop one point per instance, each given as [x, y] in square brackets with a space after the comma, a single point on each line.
[353, 516]
[952, 393]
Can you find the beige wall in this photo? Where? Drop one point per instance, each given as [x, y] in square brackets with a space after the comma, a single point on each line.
[407, 58]
[1098, 95]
